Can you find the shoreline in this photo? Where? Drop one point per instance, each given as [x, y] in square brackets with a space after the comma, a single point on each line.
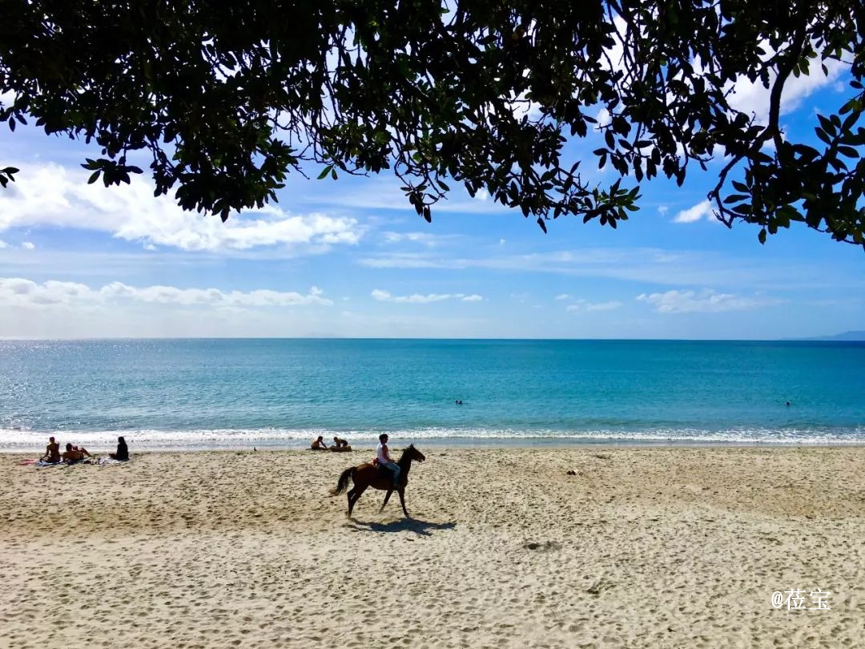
[469, 445]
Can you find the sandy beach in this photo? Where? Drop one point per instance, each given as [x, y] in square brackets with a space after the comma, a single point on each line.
[643, 547]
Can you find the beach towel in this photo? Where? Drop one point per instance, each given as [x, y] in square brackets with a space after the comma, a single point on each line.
[110, 461]
[41, 464]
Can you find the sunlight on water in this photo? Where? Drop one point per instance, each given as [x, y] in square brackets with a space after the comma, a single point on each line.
[186, 394]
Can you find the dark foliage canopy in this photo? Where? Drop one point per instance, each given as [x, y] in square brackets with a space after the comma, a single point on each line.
[227, 98]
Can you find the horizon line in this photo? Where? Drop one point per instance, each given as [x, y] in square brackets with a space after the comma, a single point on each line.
[827, 339]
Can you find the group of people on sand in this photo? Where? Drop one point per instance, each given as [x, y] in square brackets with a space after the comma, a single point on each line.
[78, 453]
[339, 445]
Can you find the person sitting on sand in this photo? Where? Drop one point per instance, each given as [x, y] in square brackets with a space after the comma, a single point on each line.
[74, 453]
[340, 443]
[382, 456]
[318, 444]
[52, 452]
[122, 453]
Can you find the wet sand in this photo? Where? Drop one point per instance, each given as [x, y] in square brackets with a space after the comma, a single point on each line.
[643, 547]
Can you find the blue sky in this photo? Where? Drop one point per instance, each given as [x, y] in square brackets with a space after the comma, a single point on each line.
[351, 258]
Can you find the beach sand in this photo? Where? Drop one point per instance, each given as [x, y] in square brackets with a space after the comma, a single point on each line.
[643, 547]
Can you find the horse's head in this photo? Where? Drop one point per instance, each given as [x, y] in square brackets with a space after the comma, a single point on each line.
[415, 454]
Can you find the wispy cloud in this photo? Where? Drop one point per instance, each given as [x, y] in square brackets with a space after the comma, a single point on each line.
[563, 296]
[705, 301]
[384, 194]
[427, 239]
[15, 291]
[585, 305]
[54, 196]
[417, 298]
[640, 265]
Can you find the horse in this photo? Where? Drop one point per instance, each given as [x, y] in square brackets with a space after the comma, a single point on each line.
[366, 475]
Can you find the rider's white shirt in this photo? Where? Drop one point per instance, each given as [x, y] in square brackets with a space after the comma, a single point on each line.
[379, 453]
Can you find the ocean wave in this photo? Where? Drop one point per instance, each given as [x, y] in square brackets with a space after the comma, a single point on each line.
[227, 439]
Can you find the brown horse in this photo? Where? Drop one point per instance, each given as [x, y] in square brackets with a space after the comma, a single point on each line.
[367, 475]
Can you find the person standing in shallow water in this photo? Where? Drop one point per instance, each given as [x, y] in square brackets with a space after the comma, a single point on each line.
[122, 450]
[382, 454]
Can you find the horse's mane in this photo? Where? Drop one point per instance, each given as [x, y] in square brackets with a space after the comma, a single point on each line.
[405, 455]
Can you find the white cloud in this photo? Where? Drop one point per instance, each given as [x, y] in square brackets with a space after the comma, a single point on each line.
[15, 291]
[663, 209]
[563, 296]
[585, 305]
[54, 196]
[28, 245]
[501, 242]
[424, 238]
[522, 107]
[616, 53]
[604, 119]
[3, 244]
[692, 214]
[705, 301]
[676, 268]
[382, 193]
[417, 298]
[752, 97]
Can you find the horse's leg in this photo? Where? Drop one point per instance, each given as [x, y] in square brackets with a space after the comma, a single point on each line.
[401, 493]
[350, 495]
[386, 498]
[358, 493]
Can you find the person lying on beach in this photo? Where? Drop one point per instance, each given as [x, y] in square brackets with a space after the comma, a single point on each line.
[340, 443]
[318, 444]
[74, 454]
[52, 452]
[122, 450]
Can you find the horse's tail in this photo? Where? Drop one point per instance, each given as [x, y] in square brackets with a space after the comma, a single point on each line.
[343, 481]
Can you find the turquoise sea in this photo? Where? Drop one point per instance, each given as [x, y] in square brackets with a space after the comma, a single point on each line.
[187, 394]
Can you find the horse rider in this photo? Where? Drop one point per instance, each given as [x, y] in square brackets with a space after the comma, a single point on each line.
[382, 455]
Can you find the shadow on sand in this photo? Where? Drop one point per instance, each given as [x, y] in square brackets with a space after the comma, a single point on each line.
[419, 527]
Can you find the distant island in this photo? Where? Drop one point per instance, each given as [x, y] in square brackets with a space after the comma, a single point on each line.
[846, 336]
